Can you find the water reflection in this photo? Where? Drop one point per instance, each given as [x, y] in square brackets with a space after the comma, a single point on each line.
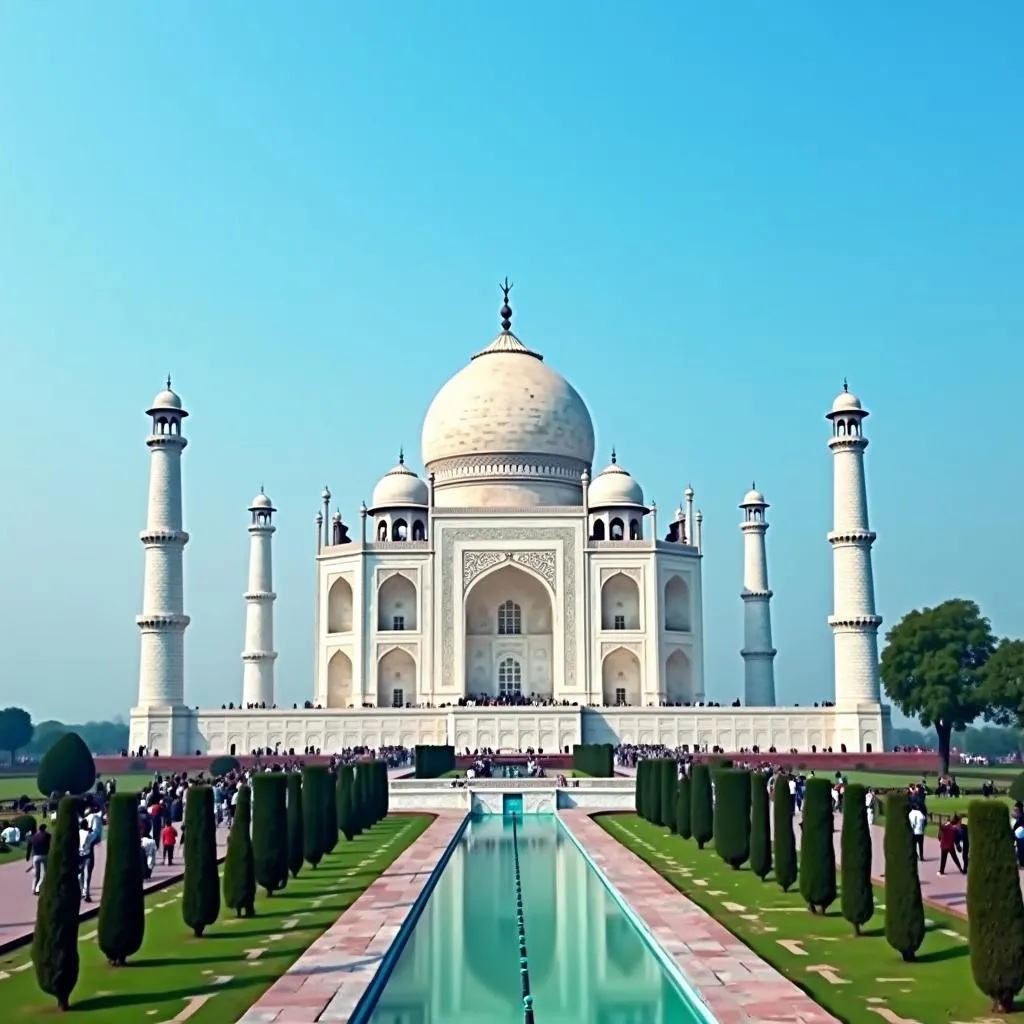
[587, 963]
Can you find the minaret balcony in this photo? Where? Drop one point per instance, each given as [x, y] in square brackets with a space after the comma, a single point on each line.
[855, 621]
[162, 622]
[160, 538]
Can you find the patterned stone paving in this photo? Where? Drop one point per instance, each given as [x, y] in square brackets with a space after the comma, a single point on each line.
[329, 979]
[737, 986]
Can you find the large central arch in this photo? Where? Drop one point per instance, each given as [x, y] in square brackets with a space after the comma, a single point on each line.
[509, 616]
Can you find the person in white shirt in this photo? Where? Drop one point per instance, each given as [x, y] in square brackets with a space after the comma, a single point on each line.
[918, 821]
[869, 800]
[149, 856]
[86, 859]
[11, 835]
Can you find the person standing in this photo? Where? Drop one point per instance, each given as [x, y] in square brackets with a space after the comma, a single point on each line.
[168, 840]
[948, 835]
[965, 843]
[918, 822]
[39, 847]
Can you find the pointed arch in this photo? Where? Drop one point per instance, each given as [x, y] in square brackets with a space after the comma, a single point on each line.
[339, 681]
[621, 681]
[677, 605]
[678, 678]
[620, 602]
[396, 679]
[396, 604]
[339, 606]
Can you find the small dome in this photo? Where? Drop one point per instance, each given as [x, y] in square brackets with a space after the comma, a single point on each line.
[846, 401]
[261, 501]
[614, 486]
[753, 497]
[399, 488]
[166, 400]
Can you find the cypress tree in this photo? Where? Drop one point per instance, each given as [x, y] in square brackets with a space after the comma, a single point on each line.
[67, 767]
[669, 786]
[239, 864]
[995, 911]
[817, 847]
[363, 796]
[638, 789]
[653, 798]
[295, 828]
[785, 840]
[270, 830]
[385, 790]
[329, 796]
[683, 809]
[122, 920]
[200, 901]
[344, 798]
[55, 940]
[732, 815]
[702, 812]
[856, 892]
[904, 909]
[760, 827]
[313, 783]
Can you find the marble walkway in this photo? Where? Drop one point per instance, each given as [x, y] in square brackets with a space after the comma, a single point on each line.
[330, 978]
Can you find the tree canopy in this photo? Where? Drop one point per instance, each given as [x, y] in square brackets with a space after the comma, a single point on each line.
[933, 667]
[15, 730]
[1003, 686]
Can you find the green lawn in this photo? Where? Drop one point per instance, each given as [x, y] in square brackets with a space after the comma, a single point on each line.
[14, 786]
[971, 779]
[866, 971]
[174, 970]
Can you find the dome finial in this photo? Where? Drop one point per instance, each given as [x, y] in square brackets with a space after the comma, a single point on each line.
[615, 458]
[506, 309]
[168, 382]
[401, 456]
[846, 386]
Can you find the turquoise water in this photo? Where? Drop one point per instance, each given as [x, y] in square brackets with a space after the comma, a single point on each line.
[587, 963]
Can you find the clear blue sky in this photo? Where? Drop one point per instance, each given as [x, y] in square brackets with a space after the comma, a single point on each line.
[712, 213]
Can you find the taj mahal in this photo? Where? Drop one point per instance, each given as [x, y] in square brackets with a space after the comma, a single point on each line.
[509, 597]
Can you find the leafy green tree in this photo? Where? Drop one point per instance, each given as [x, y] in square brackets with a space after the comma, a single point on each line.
[995, 910]
[817, 848]
[669, 788]
[296, 834]
[760, 827]
[933, 667]
[732, 816]
[904, 909]
[55, 940]
[1002, 686]
[784, 838]
[240, 864]
[702, 811]
[314, 780]
[200, 900]
[122, 921]
[16, 731]
[270, 830]
[344, 799]
[857, 892]
[683, 828]
[67, 767]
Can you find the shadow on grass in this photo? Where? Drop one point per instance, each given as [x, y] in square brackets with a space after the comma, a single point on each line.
[949, 953]
[195, 961]
[120, 1000]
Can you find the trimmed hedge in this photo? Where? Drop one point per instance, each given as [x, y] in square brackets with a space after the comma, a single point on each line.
[995, 910]
[433, 761]
[904, 909]
[67, 767]
[239, 865]
[817, 847]
[731, 822]
[638, 790]
[314, 782]
[702, 810]
[295, 826]
[200, 900]
[760, 827]
[330, 800]
[270, 830]
[669, 785]
[857, 893]
[55, 939]
[596, 759]
[784, 838]
[346, 824]
[122, 920]
[224, 765]
[683, 829]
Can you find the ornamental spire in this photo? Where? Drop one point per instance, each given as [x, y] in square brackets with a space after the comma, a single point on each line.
[506, 309]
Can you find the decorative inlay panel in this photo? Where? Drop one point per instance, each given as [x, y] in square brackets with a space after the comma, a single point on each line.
[543, 562]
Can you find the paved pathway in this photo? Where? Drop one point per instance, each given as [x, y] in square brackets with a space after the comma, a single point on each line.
[736, 984]
[18, 905]
[328, 980]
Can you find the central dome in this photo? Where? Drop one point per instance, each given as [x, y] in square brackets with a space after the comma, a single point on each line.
[507, 431]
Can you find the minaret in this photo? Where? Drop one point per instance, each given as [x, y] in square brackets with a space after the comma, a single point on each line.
[758, 653]
[259, 654]
[163, 622]
[854, 622]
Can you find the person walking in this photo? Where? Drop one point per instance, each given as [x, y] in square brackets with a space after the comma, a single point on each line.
[39, 847]
[168, 840]
[948, 836]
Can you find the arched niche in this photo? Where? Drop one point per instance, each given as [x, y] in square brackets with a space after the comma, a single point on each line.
[509, 613]
[620, 678]
[396, 671]
[677, 605]
[396, 604]
[339, 606]
[620, 602]
[339, 681]
[678, 678]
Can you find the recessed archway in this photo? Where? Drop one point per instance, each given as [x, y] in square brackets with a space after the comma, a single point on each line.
[339, 681]
[396, 679]
[339, 606]
[509, 614]
[620, 679]
[678, 679]
[396, 604]
[677, 605]
[620, 602]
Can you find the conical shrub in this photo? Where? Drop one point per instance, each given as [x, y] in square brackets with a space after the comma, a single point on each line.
[314, 778]
[683, 829]
[638, 790]
[295, 827]
[200, 900]
[732, 816]
[344, 799]
[240, 864]
[67, 767]
[270, 830]
[669, 788]
[783, 836]
[760, 827]
[122, 921]
[329, 796]
[904, 908]
[857, 893]
[817, 848]
[55, 940]
[702, 813]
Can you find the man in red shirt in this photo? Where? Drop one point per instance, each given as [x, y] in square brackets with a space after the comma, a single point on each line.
[168, 839]
[949, 835]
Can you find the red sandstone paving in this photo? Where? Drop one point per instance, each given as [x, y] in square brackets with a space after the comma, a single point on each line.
[735, 983]
[18, 905]
[329, 979]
